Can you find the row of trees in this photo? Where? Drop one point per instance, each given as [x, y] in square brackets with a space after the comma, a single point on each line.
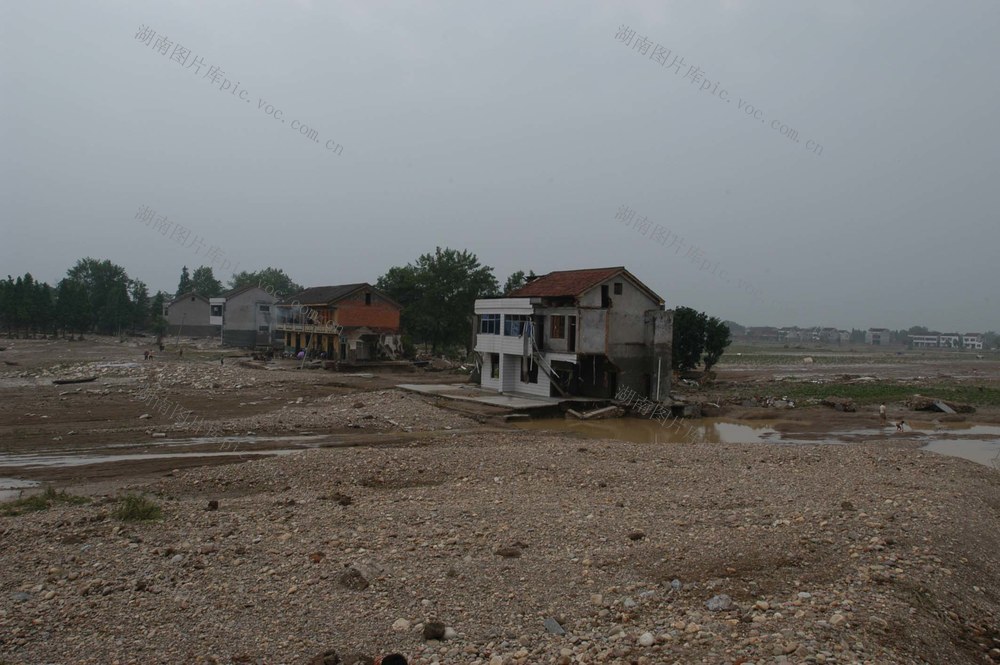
[95, 296]
[203, 281]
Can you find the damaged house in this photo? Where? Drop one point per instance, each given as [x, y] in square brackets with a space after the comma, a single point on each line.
[350, 322]
[576, 332]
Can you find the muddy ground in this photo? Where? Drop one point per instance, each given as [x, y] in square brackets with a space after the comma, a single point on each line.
[386, 511]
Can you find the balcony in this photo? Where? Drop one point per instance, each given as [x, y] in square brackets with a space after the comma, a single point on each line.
[329, 328]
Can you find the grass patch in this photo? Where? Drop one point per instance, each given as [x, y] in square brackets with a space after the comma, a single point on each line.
[876, 392]
[134, 508]
[43, 501]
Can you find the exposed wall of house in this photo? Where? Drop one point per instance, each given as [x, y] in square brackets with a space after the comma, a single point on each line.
[560, 345]
[190, 316]
[246, 313]
[352, 311]
[593, 331]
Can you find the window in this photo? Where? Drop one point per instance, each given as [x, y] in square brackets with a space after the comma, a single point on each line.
[605, 297]
[489, 324]
[618, 288]
[514, 325]
[558, 327]
[368, 298]
[495, 365]
[265, 308]
[216, 310]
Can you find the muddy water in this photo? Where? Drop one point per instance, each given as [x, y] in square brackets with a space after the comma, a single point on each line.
[640, 430]
[11, 488]
[979, 443]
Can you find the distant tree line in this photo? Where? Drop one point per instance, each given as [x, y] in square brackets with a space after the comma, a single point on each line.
[98, 296]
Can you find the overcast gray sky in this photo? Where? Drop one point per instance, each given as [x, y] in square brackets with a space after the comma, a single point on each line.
[518, 130]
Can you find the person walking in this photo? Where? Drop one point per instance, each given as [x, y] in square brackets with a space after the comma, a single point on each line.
[881, 412]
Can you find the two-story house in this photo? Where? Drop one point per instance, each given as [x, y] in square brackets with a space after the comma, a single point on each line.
[245, 315]
[348, 322]
[576, 332]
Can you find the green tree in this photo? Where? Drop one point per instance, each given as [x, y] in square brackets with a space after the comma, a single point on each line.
[717, 338]
[106, 286]
[158, 303]
[184, 286]
[72, 307]
[689, 338]
[437, 294]
[517, 280]
[204, 283]
[272, 280]
[139, 295]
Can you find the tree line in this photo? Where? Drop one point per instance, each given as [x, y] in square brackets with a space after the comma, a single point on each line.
[98, 296]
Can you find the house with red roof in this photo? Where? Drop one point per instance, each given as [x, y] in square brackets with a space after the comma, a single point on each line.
[576, 332]
[349, 322]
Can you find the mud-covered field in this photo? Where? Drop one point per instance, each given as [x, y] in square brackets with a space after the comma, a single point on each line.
[384, 513]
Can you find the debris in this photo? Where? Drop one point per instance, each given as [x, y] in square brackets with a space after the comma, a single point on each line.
[434, 630]
[606, 412]
[844, 404]
[920, 403]
[552, 626]
[86, 379]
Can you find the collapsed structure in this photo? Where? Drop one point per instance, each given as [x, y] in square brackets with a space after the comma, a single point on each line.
[576, 332]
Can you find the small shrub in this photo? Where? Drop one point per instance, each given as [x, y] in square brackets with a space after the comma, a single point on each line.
[43, 501]
[134, 508]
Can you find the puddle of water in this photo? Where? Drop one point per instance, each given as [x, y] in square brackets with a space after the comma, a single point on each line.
[979, 443]
[50, 461]
[178, 443]
[983, 452]
[639, 430]
[10, 488]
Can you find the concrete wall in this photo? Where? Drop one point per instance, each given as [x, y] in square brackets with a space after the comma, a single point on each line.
[486, 379]
[593, 331]
[244, 317]
[190, 316]
[510, 372]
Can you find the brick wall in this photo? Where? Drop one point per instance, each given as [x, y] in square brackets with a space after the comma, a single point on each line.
[380, 314]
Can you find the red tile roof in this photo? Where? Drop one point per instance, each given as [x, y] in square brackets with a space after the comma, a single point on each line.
[564, 283]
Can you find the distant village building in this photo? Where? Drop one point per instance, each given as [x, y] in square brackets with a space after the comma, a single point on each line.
[877, 336]
[928, 341]
[972, 341]
[576, 332]
[950, 341]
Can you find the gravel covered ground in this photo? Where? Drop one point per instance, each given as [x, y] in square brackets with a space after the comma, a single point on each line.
[640, 553]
